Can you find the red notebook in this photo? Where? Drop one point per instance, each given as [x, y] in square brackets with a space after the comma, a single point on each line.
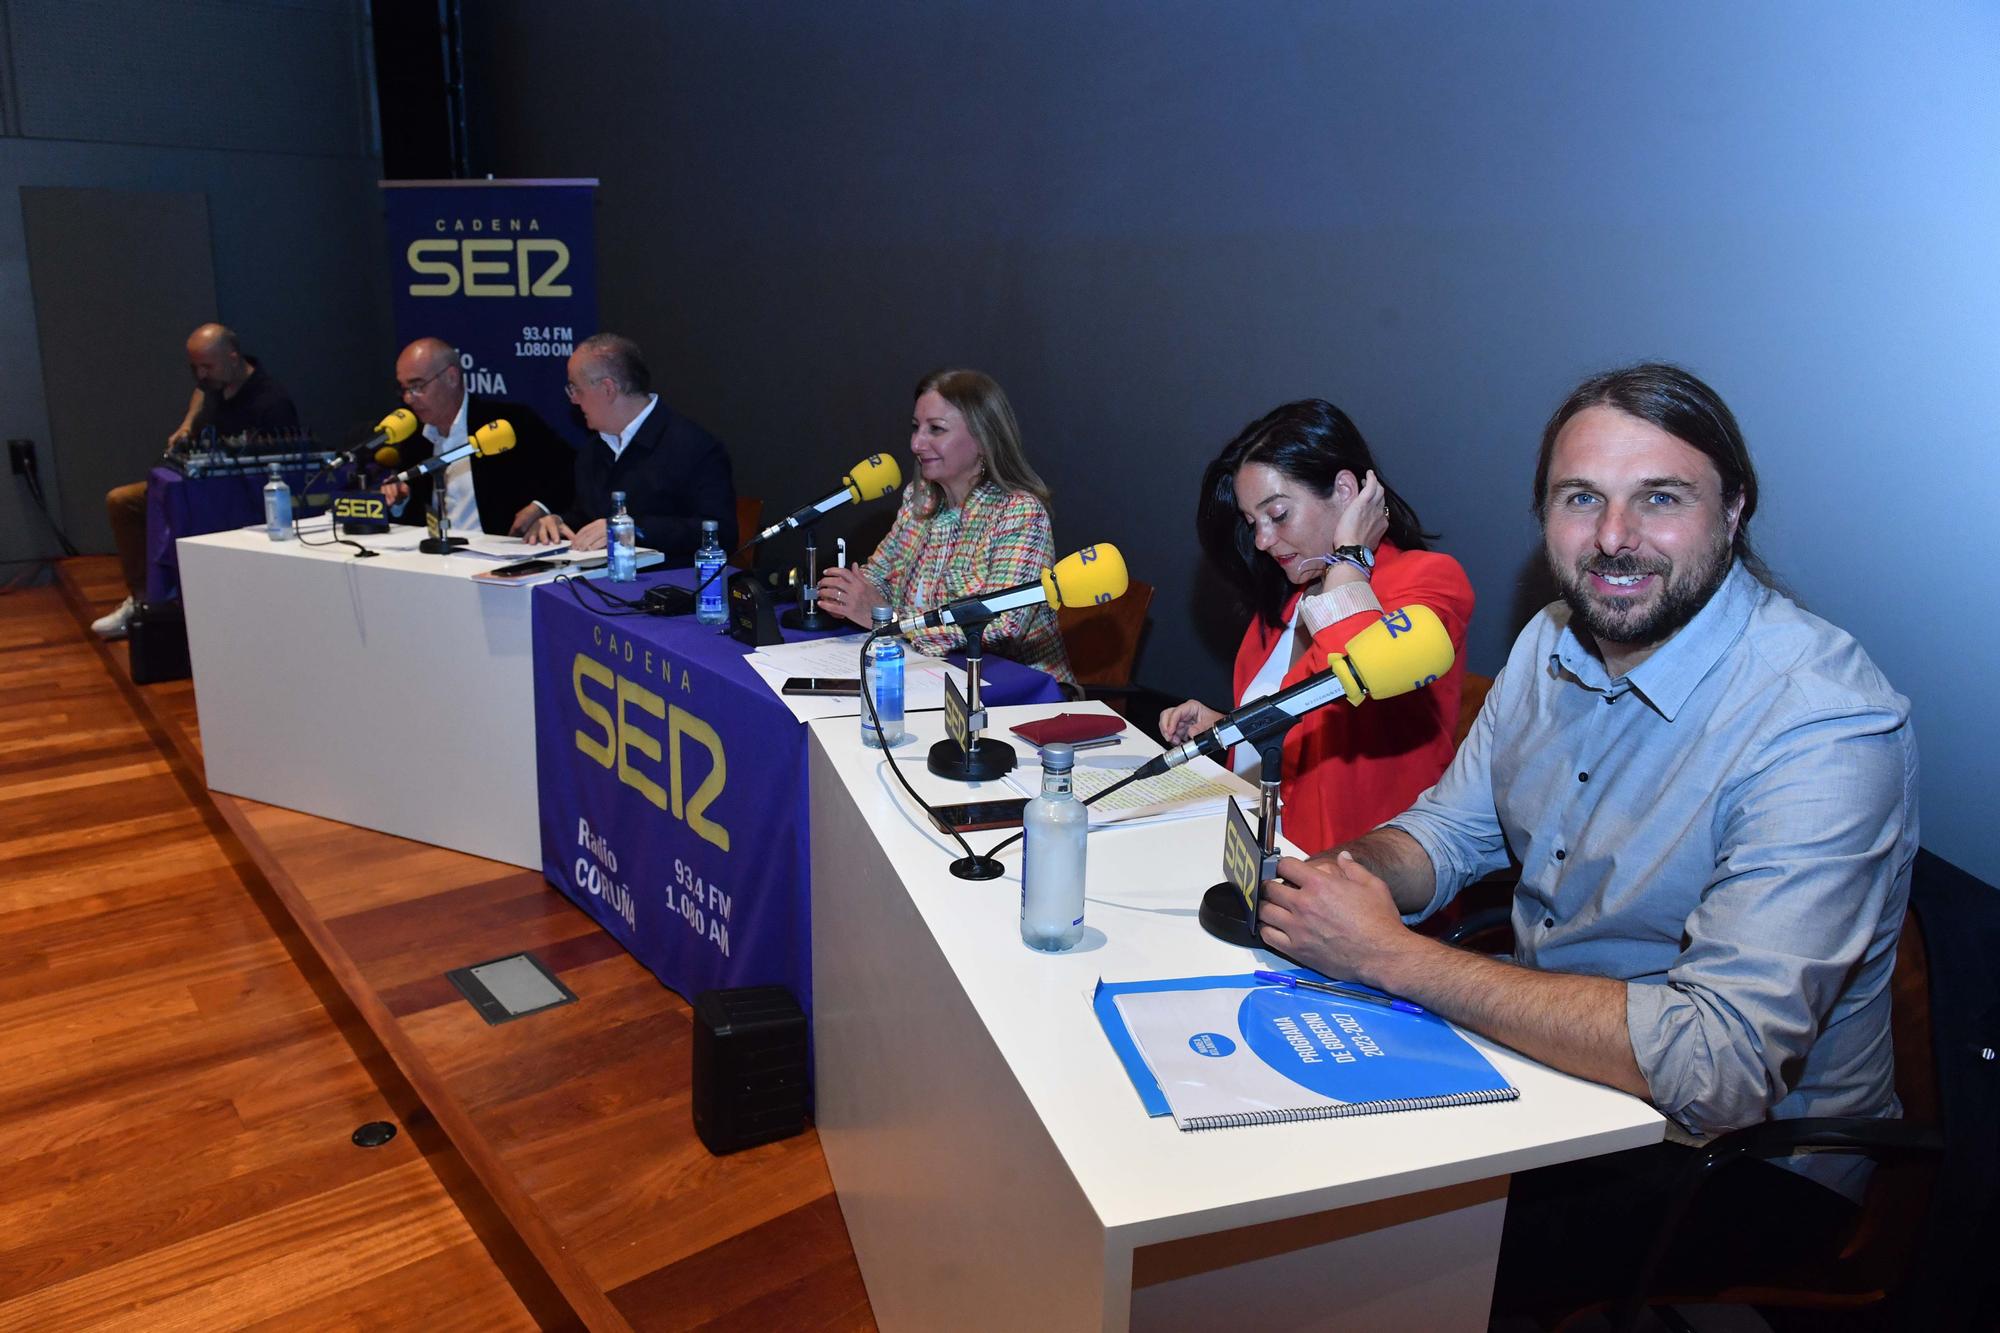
[1069, 728]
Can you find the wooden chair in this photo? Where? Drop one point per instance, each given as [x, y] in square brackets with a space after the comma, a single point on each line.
[1920, 1252]
[1103, 640]
[1470, 697]
[749, 518]
[1103, 646]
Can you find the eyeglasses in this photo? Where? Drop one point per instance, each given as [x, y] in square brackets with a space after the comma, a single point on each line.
[572, 392]
[415, 387]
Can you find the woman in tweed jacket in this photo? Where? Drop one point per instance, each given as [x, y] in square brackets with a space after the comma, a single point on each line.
[975, 520]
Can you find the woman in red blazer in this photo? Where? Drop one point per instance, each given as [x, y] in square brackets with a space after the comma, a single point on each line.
[1298, 520]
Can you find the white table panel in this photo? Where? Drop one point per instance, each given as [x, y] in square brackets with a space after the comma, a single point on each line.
[993, 1162]
[394, 693]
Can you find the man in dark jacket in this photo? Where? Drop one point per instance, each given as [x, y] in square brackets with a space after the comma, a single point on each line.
[674, 474]
[506, 493]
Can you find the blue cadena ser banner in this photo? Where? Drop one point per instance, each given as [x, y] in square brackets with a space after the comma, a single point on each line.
[672, 792]
[671, 789]
[505, 271]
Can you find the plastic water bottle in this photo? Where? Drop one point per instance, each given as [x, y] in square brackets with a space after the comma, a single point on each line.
[882, 678]
[710, 608]
[277, 507]
[1052, 853]
[624, 542]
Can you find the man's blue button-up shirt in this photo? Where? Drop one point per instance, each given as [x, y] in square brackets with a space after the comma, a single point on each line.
[1729, 827]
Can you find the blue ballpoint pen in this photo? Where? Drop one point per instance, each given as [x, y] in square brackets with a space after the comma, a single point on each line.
[1345, 992]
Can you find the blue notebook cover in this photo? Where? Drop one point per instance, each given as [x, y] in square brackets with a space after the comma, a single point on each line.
[1216, 1052]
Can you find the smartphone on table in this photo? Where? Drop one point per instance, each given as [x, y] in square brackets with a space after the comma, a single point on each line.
[849, 686]
[972, 816]
[522, 569]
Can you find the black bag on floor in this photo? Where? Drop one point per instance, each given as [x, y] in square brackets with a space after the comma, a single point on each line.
[159, 638]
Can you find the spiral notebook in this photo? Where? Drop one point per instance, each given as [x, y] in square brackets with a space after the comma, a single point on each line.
[1219, 1052]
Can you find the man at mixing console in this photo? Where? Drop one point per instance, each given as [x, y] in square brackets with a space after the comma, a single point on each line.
[233, 396]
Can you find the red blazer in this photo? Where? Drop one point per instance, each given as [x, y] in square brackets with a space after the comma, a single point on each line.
[1349, 768]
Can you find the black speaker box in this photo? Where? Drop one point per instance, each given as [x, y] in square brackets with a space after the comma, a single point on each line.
[750, 1071]
[158, 637]
[751, 619]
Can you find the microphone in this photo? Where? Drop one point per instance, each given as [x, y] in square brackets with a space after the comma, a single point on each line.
[495, 437]
[1404, 651]
[874, 477]
[1084, 578]
[393, 429]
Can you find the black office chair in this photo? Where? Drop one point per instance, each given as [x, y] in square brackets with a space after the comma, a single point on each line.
[1920, 1254]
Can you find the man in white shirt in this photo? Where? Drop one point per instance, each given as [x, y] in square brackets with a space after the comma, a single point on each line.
[506, 493]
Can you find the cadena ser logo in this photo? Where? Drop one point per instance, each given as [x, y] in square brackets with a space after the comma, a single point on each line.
[470, 258]
[360, 508]
[619, 707]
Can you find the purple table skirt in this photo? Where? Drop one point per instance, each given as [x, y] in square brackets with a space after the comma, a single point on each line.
[672, 795]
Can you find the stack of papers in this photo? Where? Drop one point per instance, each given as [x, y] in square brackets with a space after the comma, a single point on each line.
[923, 677]
[1180, 793]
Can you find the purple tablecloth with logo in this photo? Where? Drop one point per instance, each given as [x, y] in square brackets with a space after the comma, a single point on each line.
[179, 506]
[672, 791]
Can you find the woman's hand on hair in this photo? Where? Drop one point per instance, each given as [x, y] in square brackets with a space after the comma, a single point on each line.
[1184, 721]
[1365, 521]
[847, 593]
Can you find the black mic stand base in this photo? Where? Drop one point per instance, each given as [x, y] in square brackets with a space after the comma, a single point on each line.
[440, 545]
[977, 867]
[1225, 916]
[986, 760]
[1224, 913]
[801, 617]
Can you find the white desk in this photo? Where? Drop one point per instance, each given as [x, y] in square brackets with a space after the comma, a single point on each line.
[394, 693]
[992, 1160]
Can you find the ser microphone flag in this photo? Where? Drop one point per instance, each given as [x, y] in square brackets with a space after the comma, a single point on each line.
[1087, 577]
[1403, 651]
[495, 437]
[873, 478]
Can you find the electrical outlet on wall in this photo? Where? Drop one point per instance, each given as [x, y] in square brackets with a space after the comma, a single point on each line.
[21, 457]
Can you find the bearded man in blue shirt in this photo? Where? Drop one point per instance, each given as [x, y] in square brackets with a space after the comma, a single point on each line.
[1711, 794]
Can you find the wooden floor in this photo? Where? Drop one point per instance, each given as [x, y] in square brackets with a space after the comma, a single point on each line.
[571, 1128]
[176, 1103]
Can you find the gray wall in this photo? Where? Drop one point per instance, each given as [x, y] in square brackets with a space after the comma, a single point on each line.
[1152, 221]
[265, 106]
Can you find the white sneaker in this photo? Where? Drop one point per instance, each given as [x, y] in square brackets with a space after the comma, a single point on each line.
[114, 625]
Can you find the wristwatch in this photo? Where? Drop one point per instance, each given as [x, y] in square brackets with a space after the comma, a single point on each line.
[1360, 557]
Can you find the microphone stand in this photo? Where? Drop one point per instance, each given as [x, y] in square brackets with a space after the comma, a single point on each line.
[807, 615]
[1224, 914]
[980, 760]
[444, 543]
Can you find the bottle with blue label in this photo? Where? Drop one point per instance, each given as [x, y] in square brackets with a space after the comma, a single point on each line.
[882, 678]
[1052, 857]
[277, 507]
[624, 542]
[710, 607]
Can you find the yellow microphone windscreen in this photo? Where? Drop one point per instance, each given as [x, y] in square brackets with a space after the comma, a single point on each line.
[388, 456]
[873, 478]
[1405, 650]
[1087, 577]
[398, 426]
[495, 437]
